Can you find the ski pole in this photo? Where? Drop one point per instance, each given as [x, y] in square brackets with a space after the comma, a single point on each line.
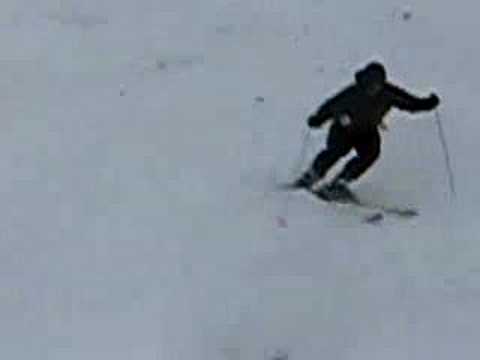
[297, 167]
[448, 163]
[303, 153]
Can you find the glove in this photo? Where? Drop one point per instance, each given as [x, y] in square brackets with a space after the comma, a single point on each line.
[315, 121]
[433, 101]
[312, 121]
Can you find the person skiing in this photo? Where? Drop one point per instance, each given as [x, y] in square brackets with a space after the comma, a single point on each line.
[357, 113]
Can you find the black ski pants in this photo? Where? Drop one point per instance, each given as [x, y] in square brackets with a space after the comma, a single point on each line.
[340, 142]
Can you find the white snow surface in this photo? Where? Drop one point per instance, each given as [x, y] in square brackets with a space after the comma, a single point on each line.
[139, 216]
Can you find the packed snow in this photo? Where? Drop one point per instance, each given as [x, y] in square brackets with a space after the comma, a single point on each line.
[140, 146]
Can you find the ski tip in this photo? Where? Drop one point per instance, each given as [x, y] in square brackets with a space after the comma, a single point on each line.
[410, 212]
[403, 213]
[374, 219]
[290, 187]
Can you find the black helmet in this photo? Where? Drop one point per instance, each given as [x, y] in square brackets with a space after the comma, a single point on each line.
[373, 73]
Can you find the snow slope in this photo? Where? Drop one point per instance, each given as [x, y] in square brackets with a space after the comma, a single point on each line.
[138, 212]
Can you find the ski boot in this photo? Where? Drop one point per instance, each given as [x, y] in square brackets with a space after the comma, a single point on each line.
[307, 180]
[337, 190]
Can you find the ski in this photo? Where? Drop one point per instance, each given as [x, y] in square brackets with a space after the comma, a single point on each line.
[378, 211]
[377, 214]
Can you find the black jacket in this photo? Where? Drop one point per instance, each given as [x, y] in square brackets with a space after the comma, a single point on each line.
[366, 112]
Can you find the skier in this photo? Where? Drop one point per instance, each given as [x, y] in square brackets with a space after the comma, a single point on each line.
[357, 113]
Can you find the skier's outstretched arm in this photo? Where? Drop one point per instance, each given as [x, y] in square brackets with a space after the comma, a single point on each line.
[328, 110]
[407, 102]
